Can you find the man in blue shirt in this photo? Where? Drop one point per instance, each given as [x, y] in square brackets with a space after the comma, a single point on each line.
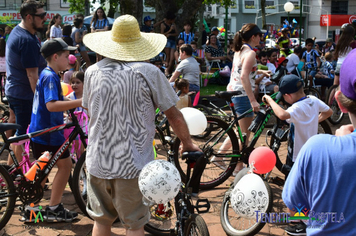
[23, 64]
[321, 179]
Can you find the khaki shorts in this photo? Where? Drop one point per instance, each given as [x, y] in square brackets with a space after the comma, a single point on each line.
[112, 198]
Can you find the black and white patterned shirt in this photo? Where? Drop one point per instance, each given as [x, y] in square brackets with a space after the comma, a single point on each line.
[121, 98]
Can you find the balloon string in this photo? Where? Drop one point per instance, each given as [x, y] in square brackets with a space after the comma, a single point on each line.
[252, 167]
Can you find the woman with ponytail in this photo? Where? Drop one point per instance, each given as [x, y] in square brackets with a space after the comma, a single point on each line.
[244, 70]
[54, 27]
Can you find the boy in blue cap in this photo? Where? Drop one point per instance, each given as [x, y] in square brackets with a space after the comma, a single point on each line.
[47, 112]
[321, 180]
[147, 24]
[304, 114]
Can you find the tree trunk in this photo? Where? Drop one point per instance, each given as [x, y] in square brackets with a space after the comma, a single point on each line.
[263, 12]
[201, 25]
[132, 7]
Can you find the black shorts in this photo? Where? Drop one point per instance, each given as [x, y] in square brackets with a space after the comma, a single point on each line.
[38, 149]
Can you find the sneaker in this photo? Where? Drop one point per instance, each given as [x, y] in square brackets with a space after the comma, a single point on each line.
[26, 214]
[59, 214]
[296, 229]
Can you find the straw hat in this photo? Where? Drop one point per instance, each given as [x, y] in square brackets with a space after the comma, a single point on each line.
[125, 42]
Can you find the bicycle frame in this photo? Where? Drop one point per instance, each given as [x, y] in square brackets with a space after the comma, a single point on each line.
[53, 160]
[245, 150]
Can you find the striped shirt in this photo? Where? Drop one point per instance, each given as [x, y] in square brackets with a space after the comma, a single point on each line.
[121, 98]
[100, 24]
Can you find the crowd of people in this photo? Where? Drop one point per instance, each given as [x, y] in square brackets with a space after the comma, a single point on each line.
[120, 138]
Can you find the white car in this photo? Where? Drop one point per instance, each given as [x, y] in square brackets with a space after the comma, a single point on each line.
[295, 41]
[270, 43]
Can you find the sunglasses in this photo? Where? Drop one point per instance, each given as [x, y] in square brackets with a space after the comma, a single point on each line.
[42, 15]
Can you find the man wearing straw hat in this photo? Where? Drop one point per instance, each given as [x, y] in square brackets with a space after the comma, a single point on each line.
[121, 93]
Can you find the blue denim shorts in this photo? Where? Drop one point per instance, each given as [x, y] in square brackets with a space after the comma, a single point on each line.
[23, 112]
[171, 44]
[312, 73]
[242, 104]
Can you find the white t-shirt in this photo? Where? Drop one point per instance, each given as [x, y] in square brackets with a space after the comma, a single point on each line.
[189, 68]
[342, 57]
[271, 68]
[304, 115]
[293, 61]
[56, 32]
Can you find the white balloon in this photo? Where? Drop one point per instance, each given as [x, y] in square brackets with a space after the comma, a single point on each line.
[159, 181]
[195, 120]
[249, 195]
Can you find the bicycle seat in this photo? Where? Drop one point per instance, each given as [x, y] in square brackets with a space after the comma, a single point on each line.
[8, 126]
[192, 156]
[226, 95]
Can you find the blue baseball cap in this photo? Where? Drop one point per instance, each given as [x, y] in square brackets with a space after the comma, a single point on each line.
[290, 84]
[214, 29]
[147, 18]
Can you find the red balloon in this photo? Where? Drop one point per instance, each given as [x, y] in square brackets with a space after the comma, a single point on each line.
[263, 159]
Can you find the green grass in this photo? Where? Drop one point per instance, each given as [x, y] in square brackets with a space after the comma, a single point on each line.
[211, 88]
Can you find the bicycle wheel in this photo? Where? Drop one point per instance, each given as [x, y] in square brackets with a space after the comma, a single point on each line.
[196, 226]
[235, 225]
[7, 197]
[324, 128]
[337, 115]
[206, 112]
[312, 91]
[163, 219]
[216, 171]
[79, 184]
[4, 114]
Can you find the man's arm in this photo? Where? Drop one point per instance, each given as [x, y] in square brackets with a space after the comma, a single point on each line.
[175, 75]
[32, 75]
[176, 120]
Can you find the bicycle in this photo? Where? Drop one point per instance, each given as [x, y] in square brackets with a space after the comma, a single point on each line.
[309, 88]
[29, 191]
[234, 224]
[186, 222]
[337, 115]
[214, 175]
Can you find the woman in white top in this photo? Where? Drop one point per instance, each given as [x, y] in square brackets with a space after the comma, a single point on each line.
[244, 70]
[343, 48]
[55, 27]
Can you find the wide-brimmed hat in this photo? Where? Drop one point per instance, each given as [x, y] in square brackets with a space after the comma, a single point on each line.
[125, 42]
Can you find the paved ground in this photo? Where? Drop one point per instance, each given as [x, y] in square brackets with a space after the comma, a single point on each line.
[83, 225]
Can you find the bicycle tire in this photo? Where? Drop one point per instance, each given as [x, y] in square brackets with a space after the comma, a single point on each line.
[7, 187]
[79, 191]
[78, 184]
[337, 115]
[161, 224]
[206, 112]
[324, 128]
[4, 114]
[312, 91]
[212, 175]
[233, 224]
[196, 226]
